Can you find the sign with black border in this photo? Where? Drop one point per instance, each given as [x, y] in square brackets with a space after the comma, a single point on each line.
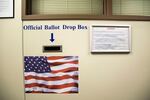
[110, 38]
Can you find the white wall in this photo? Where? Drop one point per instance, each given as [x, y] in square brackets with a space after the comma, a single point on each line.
[102, 76]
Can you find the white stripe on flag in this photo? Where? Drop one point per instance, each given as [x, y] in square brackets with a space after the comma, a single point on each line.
[64, 66]
[73, 89]
[74, 73]
[60, 82]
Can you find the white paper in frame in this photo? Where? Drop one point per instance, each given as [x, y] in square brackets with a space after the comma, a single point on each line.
[6, 8]
[110, 38]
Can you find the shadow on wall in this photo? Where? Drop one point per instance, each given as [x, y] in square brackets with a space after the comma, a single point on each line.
[147, 95]
[5, 94]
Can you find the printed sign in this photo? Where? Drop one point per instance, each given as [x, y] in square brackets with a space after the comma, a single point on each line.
[110, 38]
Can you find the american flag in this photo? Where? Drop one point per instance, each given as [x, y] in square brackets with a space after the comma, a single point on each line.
[52, 74]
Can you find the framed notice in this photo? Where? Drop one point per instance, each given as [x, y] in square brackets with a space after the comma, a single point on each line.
[110, 38]
[6, 8]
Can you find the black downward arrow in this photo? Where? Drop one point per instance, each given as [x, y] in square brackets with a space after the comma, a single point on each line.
[52, 38]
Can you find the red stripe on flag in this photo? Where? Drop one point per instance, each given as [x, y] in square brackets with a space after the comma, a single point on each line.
[51, 86]
[51, 78]
[61, 63]
[55, 57]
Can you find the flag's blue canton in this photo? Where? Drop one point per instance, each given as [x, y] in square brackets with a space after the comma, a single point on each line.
[36, 64]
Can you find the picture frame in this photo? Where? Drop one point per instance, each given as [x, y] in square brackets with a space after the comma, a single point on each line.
[7, 9]
[110, 38]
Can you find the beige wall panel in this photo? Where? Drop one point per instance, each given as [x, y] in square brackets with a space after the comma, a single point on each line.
[102, 76]
[11, 70]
